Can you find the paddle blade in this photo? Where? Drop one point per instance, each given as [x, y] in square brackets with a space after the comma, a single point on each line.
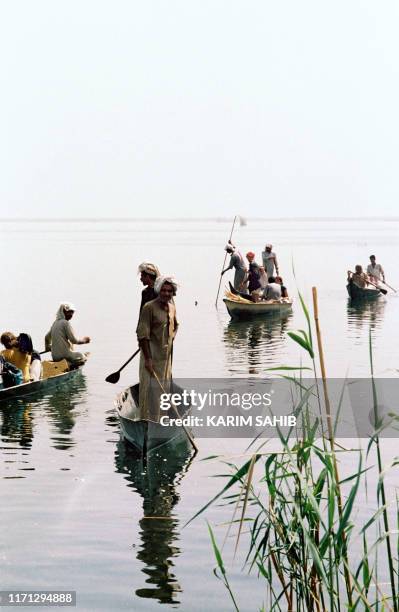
[113, 378]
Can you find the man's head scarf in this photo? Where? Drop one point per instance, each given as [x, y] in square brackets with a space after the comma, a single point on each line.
[230, 248]
[149, 268]
[65, 306]
[165, 279]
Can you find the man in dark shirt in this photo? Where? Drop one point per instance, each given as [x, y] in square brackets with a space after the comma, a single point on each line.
[148, 275]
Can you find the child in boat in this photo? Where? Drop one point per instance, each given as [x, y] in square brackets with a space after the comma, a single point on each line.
[284, 292]
[13, 355]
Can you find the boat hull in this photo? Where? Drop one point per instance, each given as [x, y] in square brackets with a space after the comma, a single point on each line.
[28, 389]
[241, 310]
[146, 436]
[358, 293]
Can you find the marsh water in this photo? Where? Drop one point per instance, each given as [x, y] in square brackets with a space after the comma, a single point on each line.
[79, 510]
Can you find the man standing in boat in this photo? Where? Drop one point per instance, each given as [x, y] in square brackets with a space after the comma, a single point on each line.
[375, 271]
[269, 260]
[148, 275]
[237, 262]
[156, 331]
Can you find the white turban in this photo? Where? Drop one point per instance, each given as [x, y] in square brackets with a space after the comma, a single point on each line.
[148, 268]
[229, 247]
[65, 306]
[164, 279]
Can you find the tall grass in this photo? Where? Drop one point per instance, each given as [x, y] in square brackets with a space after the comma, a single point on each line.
[304, 540]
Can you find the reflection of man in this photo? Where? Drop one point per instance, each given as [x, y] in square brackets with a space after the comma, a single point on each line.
[156, 331]
[148, 275]
[375, 271]
[61, 337]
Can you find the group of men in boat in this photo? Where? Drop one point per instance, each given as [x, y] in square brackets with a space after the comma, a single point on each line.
[20, 363]
[252, 281]
[375, 274]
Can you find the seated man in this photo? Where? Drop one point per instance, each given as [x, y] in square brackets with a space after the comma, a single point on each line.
[359, 278]
[13, 355]
[61, 337]
[272, 290]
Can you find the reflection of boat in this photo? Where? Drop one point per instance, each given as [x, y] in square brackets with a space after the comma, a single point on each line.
[156, 479]
[360, 293]
[240, 308]
[18, 414]
[44, 384]
[255, 344]
[146, 436]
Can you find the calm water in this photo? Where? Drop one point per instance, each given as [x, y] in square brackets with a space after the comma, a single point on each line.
[74, 497]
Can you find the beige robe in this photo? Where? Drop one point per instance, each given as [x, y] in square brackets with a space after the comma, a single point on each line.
[159, 327]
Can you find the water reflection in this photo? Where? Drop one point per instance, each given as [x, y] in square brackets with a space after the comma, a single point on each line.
[364, 316]
[20, 416]
[156, 480]
[253, 345]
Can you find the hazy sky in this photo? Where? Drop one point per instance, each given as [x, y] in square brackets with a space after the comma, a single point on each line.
[199, 108]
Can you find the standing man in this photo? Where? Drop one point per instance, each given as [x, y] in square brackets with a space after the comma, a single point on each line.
[148, 275]
[237, 262]
[375, 271]
[61, 337]
[269, 261]
[254, 286]
[156, 331]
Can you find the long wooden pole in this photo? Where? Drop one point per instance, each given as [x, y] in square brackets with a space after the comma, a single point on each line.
[224, 261]
[330, 430]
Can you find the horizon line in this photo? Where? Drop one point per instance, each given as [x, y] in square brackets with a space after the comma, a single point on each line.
[188, 219]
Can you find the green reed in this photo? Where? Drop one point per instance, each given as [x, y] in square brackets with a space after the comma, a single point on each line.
[304, 540]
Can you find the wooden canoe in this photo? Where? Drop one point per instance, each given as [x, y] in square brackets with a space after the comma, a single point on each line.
[239, 308]
[146, 436]
[44, 384]
[359, 293]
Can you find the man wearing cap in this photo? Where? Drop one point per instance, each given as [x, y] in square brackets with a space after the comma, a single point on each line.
[237, 262]
[156, 331]
[253, 275]
[269, 261]
[148, 275]
[61, 337]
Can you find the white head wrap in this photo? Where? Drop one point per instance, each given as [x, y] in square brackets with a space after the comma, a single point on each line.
[64, 306]
[148, 268]
[164, 279]
[229, 247]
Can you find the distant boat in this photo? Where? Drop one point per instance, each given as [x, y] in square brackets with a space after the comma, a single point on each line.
[362, 293]
[146, 436]
[44, 384]
[240, 308]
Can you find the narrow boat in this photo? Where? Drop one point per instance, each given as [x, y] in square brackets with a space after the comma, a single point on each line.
[359, 293]
[147, 436]
[44, 384]
[240, 308]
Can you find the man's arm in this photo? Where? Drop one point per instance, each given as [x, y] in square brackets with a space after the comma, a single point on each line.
[276, 263]
[47, 341]
[70, 334]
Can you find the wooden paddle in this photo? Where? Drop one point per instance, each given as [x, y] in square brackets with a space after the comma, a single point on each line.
[393, 289]
[383, 291]
[113, 378]
[193, 444]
